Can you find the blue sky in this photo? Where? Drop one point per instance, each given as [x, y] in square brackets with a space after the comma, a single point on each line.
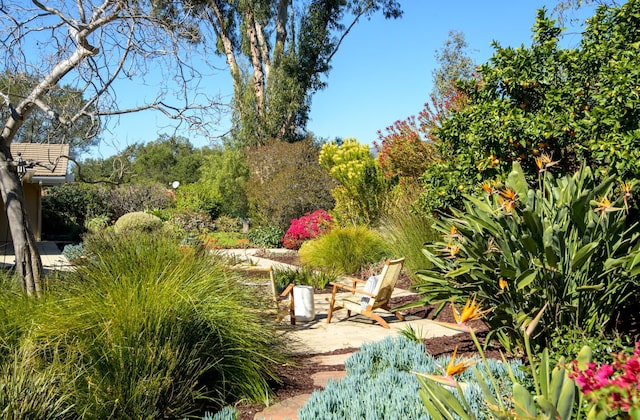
[383, 71]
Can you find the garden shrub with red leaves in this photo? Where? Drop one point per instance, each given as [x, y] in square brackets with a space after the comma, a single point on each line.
[306, 227]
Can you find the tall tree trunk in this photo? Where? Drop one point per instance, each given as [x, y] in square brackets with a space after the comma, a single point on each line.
[27, 258]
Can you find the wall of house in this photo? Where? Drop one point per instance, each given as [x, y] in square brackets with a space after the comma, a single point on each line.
[33, 200]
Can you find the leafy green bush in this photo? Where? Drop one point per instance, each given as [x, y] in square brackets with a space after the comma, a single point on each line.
[97, 223]
[266, 236]
[302, 277]
[563, 245]
[360, 195]
[344, 249]
[380, 384]
[66, 208]
[575, 103]
[138, 221]
[198, 198]
[228, 224]
[144, 330]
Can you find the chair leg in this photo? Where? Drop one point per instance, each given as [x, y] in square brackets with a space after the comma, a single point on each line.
[332, 303]
[377, 318]
[399, 315]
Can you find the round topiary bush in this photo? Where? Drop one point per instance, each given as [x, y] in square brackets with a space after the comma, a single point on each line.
[137, 221]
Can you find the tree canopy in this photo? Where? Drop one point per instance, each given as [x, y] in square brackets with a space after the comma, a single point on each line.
[277, 52]
[544, 104]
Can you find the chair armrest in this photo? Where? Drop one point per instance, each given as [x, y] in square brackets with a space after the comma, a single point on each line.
[287, 291]
[351, 289]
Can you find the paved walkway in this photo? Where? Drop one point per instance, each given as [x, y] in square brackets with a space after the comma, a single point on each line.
[51, 255]
[317, 337]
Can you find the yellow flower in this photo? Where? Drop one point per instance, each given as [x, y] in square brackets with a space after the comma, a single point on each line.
[544, 162]
[604, 206]
[627, 188]
[470, 312]
[457, 368]
[452, 368]
[487, 188]
[453, 233]
[502, 283]
[509, 194]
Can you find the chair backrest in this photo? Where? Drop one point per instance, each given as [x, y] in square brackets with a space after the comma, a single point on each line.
[388, 279]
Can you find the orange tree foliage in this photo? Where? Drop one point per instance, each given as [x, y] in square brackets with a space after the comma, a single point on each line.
[573, 105]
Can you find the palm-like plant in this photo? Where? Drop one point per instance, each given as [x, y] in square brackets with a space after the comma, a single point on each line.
[564, 243]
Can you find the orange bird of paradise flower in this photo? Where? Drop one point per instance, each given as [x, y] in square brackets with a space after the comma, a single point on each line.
[470, 312]
[452, 369]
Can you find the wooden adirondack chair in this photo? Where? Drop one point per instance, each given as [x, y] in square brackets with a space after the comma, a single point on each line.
[363, 301]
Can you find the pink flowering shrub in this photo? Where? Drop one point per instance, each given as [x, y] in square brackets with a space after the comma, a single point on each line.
[307, 227]
[612, 387]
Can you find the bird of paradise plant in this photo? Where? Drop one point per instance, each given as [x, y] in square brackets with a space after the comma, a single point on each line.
[554, 391]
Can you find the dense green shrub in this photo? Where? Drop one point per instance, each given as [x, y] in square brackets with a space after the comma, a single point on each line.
[381, 384]
[136, 197]
[198, 198]
[344, 249]
[302, 277]
[138, 221]
[286, 182]
[266, 236]
[228, 224]
[578, 104]
[518, 249]
[96, 223]
[144, 330]
[225, 173]
[66, 208]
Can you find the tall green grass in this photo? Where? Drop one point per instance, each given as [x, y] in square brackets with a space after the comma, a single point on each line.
[406, 233]
[345, 250]
[142, 330]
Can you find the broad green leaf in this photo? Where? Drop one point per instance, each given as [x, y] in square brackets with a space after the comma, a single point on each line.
[526, 278]
[523, 401]
[517, 180]
[547, 408]
[458, 272]
[583, 255]
[584, 357]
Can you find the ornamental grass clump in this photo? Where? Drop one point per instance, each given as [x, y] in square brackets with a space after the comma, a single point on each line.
[144, 330]
[344, 250]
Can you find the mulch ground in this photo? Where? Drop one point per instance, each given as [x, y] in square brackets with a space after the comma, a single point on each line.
[297, 379]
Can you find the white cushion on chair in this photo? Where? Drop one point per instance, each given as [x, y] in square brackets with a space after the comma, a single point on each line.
[369, 287]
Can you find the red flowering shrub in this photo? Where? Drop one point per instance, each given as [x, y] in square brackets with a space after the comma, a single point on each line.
[612, 388]
[307, 227]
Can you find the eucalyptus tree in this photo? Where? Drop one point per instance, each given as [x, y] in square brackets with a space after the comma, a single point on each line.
[94, 47]
[277, 52]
